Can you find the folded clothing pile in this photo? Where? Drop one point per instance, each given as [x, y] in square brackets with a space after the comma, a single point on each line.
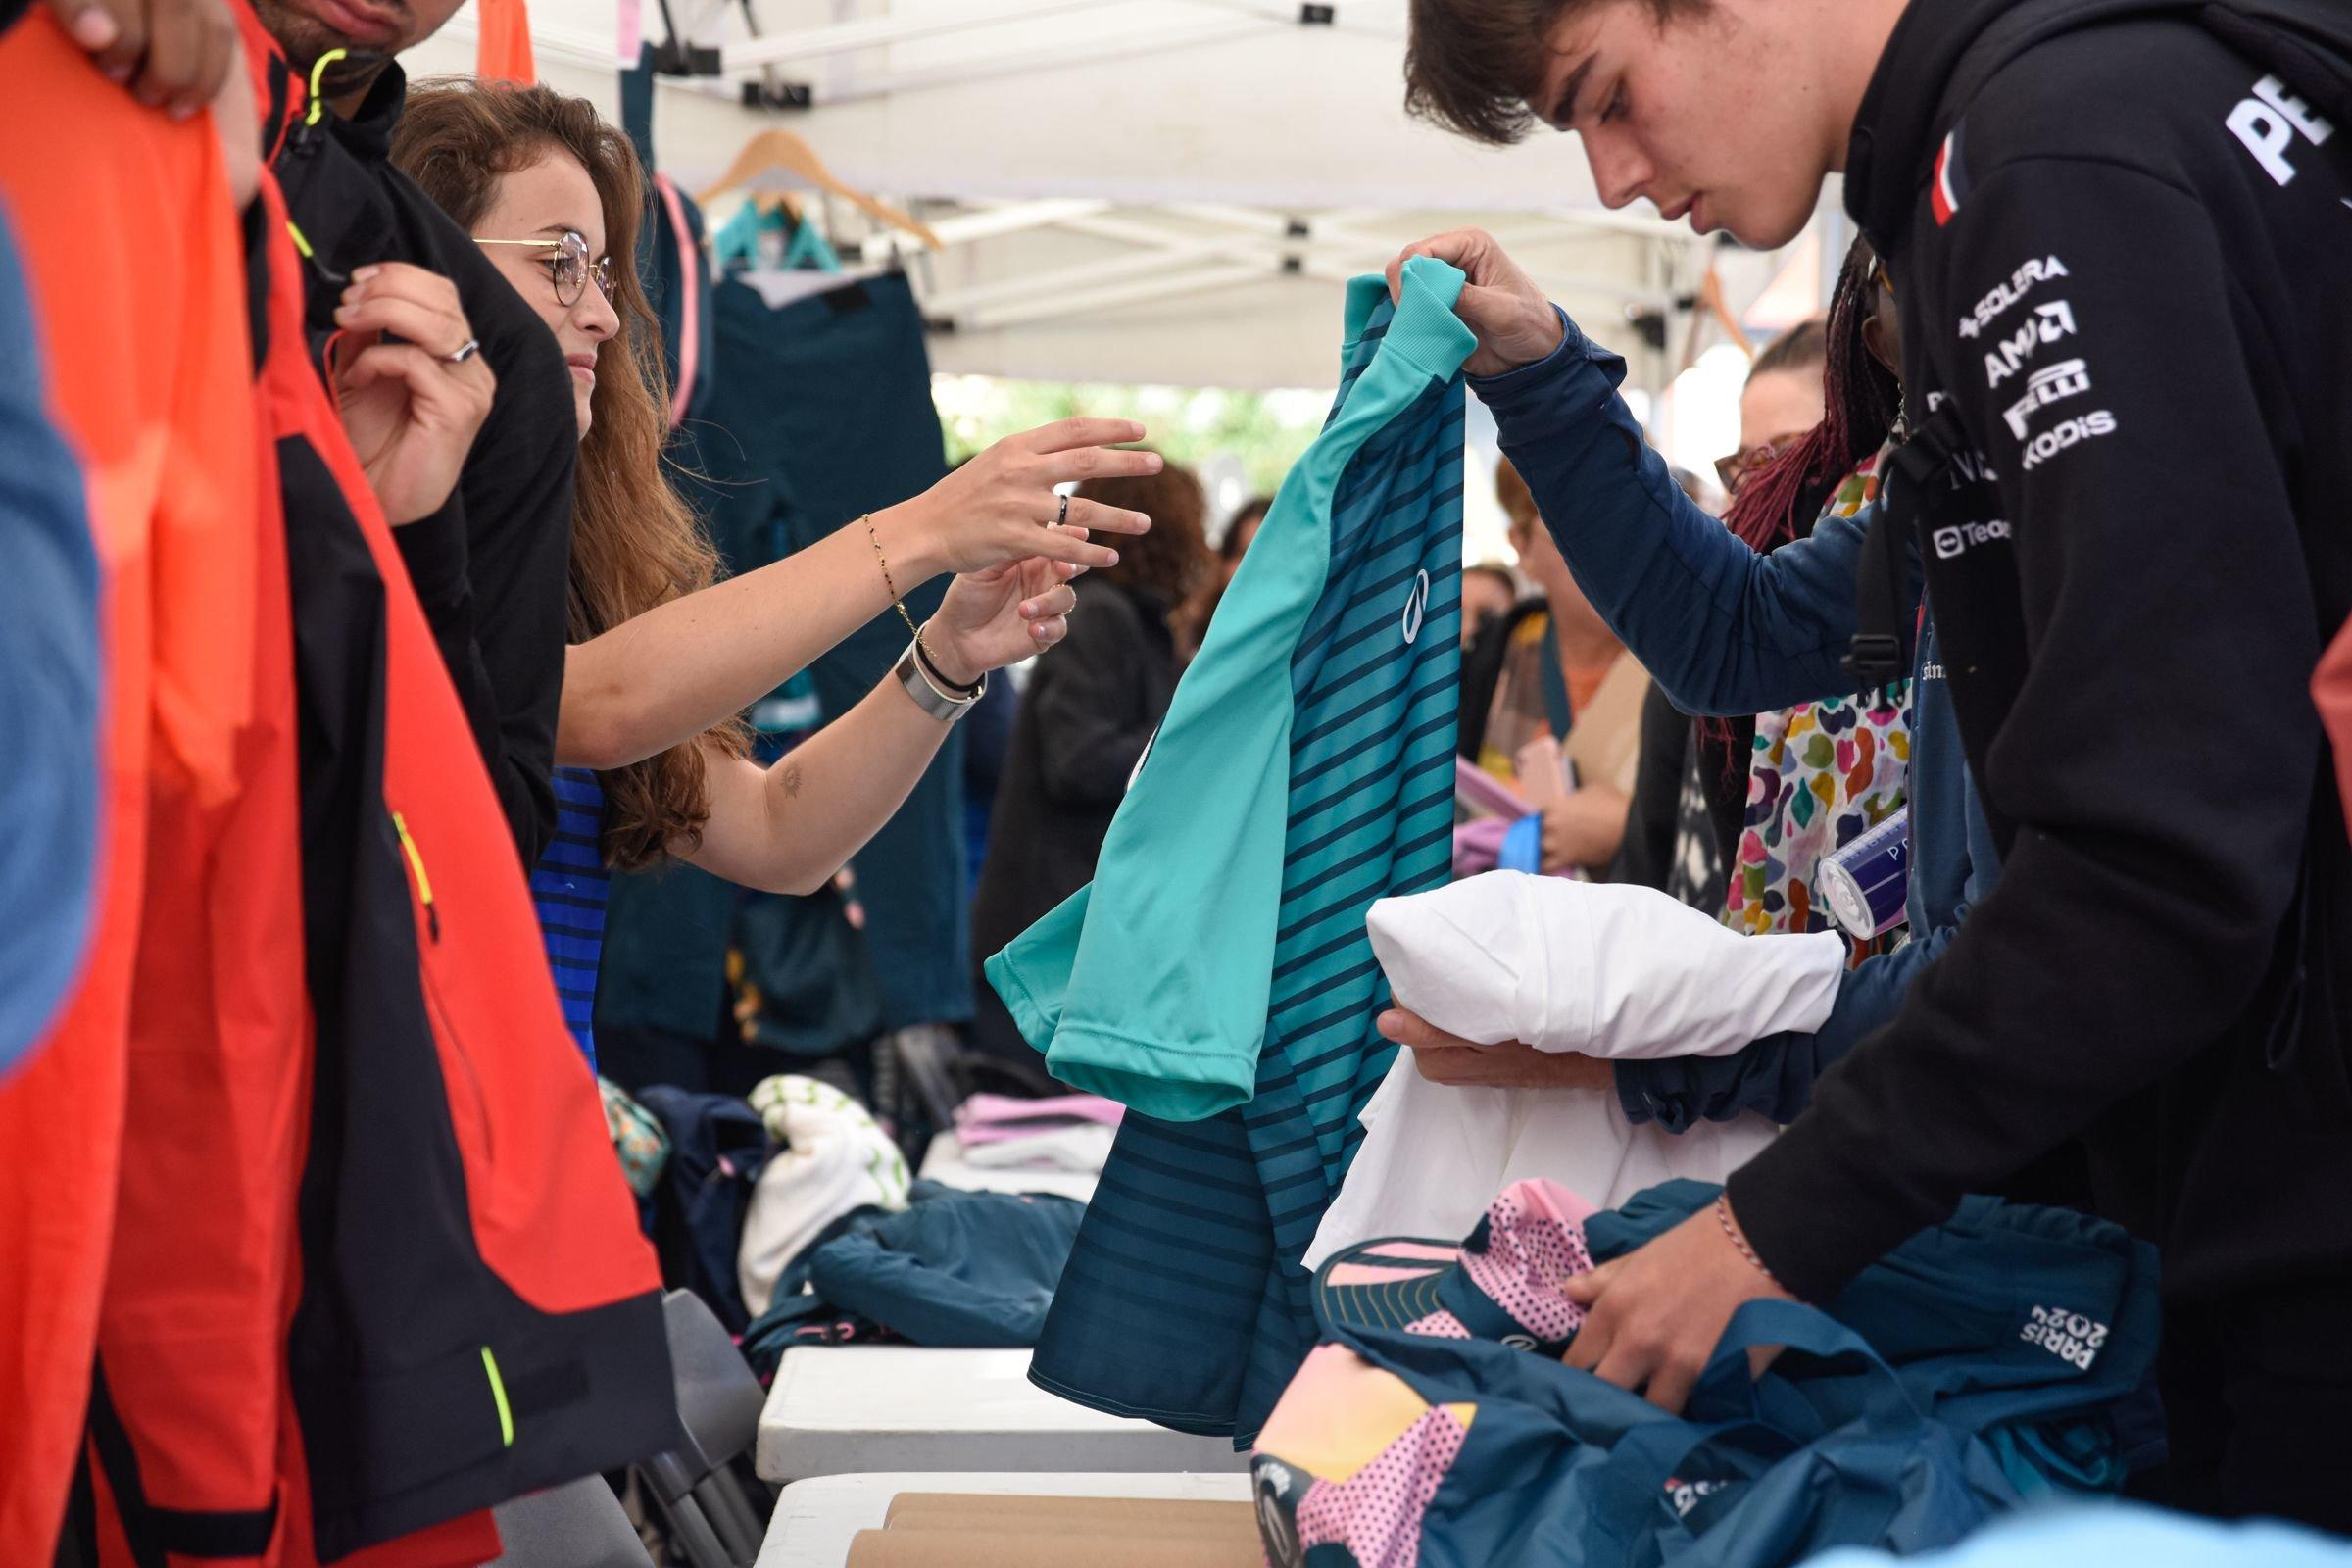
[951, 1530]
[954, 1268]
[832, 1158]
[1062, 1132]
[2005, 1354]
[1600, 969]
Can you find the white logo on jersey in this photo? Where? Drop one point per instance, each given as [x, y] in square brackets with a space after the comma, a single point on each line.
[2071, 1337]
[1997, 304]
[2050, 322]
[1969, 467]
[1416, 605]
[2268, 123]
[2065, 380]
[2071, 433]
[1951, 542]
[1685, 1495]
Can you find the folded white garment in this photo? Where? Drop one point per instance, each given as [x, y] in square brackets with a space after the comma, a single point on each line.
[1599, 970]
[1083, 1150]
[835, 1158]
[1593, 968]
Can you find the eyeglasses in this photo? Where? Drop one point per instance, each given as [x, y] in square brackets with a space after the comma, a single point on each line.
[570, 265]
[1735, 469]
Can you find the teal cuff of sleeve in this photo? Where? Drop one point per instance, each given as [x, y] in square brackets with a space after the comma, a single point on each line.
[1425, 328]
[1171, 1084]
[1029, 1015]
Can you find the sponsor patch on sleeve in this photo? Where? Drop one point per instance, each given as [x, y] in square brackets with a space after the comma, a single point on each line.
[1950, 184]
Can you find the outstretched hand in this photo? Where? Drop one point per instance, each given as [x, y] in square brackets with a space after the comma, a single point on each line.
[1000, 616]
[1000, 506]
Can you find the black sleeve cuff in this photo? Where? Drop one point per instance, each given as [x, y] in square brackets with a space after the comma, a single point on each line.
[433, 549]
[1815, 1223]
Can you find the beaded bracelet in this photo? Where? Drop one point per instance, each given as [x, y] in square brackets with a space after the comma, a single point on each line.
[1731, 1228]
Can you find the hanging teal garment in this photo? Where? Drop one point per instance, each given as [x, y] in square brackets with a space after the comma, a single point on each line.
[736, 242]
[824, 414]
[1216, 975]
[807, 250]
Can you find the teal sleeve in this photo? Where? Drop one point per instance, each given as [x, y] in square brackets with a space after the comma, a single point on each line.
[1150, 986]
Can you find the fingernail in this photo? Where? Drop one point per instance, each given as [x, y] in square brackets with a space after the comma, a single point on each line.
[118, 74]
[1157, 462]
[344, 312]
[93, 28]
[361, 274]
[185, 111]
[1114, 558]
[1029, 610]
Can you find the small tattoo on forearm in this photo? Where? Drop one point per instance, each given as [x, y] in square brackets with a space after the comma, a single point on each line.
[792, 779]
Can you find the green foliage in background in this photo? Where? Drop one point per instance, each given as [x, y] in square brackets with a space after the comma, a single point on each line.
[1265, 432]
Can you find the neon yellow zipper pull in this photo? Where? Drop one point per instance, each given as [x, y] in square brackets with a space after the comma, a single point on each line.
[318, 75]
[498, 1392]
[424, 884]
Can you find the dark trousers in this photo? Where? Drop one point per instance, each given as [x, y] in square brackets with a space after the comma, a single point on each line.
[2258, 1397]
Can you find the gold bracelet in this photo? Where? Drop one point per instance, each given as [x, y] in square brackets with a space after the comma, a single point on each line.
[889, 583]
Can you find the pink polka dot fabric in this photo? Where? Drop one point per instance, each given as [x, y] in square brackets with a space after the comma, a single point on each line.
[1376, 1514]
[1535, 1242]
[1441, 1324]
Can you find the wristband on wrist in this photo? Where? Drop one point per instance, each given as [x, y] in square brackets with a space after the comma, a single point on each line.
[922, 651]
[930, 693]
[1731, 1228]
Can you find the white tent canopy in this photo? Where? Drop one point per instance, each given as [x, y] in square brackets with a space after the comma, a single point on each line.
[1136, 191]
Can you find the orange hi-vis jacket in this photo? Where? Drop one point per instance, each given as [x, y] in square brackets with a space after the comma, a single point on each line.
[478, 1315]
[132, 262]
[308, 1160]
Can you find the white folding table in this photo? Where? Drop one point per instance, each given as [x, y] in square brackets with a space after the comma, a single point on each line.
[816, 1519]
[841, 1409]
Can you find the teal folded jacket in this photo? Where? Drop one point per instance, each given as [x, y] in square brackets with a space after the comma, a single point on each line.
[1151, 984]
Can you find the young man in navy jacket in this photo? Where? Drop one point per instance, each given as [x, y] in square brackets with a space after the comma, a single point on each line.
[2115, 231]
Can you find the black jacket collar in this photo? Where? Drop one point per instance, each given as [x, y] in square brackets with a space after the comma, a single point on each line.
[1911, 100]
[1893, 146]
[368, 130]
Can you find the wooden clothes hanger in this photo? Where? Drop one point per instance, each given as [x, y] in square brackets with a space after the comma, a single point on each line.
[780, 150]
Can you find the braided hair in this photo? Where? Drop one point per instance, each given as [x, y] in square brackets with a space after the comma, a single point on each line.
[1861, 398]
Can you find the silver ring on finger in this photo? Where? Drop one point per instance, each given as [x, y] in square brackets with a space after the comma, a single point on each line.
[1063, 519]
[464, 351]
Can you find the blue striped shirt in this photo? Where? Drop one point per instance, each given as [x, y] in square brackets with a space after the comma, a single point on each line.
[569, 885]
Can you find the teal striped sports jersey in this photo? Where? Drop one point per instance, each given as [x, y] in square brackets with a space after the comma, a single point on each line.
[1216, 976]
